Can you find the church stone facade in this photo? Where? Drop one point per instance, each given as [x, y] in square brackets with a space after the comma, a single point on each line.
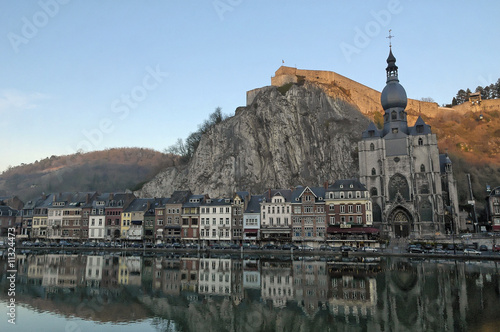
[411, 185]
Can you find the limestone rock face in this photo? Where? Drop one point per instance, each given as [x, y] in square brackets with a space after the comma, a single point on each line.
[282, 139]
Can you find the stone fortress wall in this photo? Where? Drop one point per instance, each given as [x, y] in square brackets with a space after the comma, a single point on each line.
[365, 98]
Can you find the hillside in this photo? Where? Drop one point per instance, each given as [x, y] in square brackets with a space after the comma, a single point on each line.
[108, 170]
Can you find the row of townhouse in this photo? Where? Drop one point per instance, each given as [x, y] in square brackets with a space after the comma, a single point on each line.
[340, 212]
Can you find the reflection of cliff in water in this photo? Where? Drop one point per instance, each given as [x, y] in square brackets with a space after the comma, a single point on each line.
[222, 294]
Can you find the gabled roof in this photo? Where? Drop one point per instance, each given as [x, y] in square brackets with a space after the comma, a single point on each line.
[420, 128]
[285, 193]
[375, 133]
[243, 195]
[318, 192]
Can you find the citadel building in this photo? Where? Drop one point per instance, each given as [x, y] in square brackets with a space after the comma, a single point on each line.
[411, 185]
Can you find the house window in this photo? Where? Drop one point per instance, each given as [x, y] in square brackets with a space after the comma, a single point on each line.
[374, 172]
[342, 208]
[358, 208]
[422, 168]
[394, 115]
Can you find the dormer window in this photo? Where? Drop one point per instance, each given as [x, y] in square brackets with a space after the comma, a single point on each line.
[420, 129]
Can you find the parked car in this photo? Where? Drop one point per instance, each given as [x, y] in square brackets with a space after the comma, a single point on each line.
[413, 249]
[438, 251]
[369, 249]
[305, 247]
[347, 248]
[325, 247]
[288, 246]
[483, 247]
[469, 251]
[496, 247]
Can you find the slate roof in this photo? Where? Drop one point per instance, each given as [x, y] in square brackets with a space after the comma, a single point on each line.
[319, 192]
[285, 193]
[254, 204]
[139, 204]
[346, 185]
[179, 197]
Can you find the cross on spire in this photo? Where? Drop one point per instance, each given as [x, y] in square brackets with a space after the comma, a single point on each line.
[390, 37]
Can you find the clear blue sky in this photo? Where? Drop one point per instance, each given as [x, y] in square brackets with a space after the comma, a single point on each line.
[98, 74]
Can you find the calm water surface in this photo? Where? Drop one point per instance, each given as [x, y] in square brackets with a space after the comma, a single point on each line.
[103, 292]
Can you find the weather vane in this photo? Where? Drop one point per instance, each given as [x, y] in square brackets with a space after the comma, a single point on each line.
[390, 37]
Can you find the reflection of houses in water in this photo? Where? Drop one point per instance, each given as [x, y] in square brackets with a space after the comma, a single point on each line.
[129, 271]
[236, 281]
[310, 282]
[93, 269]
[189, 274]
[67, 271]
[353, 288]
[251, 274]
[167, 275]
[215, 276]
[277, 284]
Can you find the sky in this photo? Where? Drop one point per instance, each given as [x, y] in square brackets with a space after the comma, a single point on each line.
[88, 75]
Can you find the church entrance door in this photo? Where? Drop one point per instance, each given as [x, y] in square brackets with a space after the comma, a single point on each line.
[401, 222]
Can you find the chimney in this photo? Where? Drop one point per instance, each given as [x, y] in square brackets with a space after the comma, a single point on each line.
[325, 185]
[111, 196]
[87, 198]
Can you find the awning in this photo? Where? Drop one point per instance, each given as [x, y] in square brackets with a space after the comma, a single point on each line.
[250, 230]
[352, 230]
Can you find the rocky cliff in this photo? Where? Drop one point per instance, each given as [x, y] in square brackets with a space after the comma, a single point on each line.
[287, 136]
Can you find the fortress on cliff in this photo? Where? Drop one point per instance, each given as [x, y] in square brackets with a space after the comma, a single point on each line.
[365, 98]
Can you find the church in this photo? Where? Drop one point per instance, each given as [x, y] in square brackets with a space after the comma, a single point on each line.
[411, 185]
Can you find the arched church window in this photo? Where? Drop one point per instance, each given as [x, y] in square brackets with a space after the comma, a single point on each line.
[372, 147]
[399, 185]
[425, 210]
[373, 191]
[374, 172]
[420, 141]
[422, 168]
[394, 115]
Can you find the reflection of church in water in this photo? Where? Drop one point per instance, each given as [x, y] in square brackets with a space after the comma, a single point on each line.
[411, 185]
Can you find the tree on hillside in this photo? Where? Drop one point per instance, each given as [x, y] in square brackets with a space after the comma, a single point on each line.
[491, 91]
[187, 148]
